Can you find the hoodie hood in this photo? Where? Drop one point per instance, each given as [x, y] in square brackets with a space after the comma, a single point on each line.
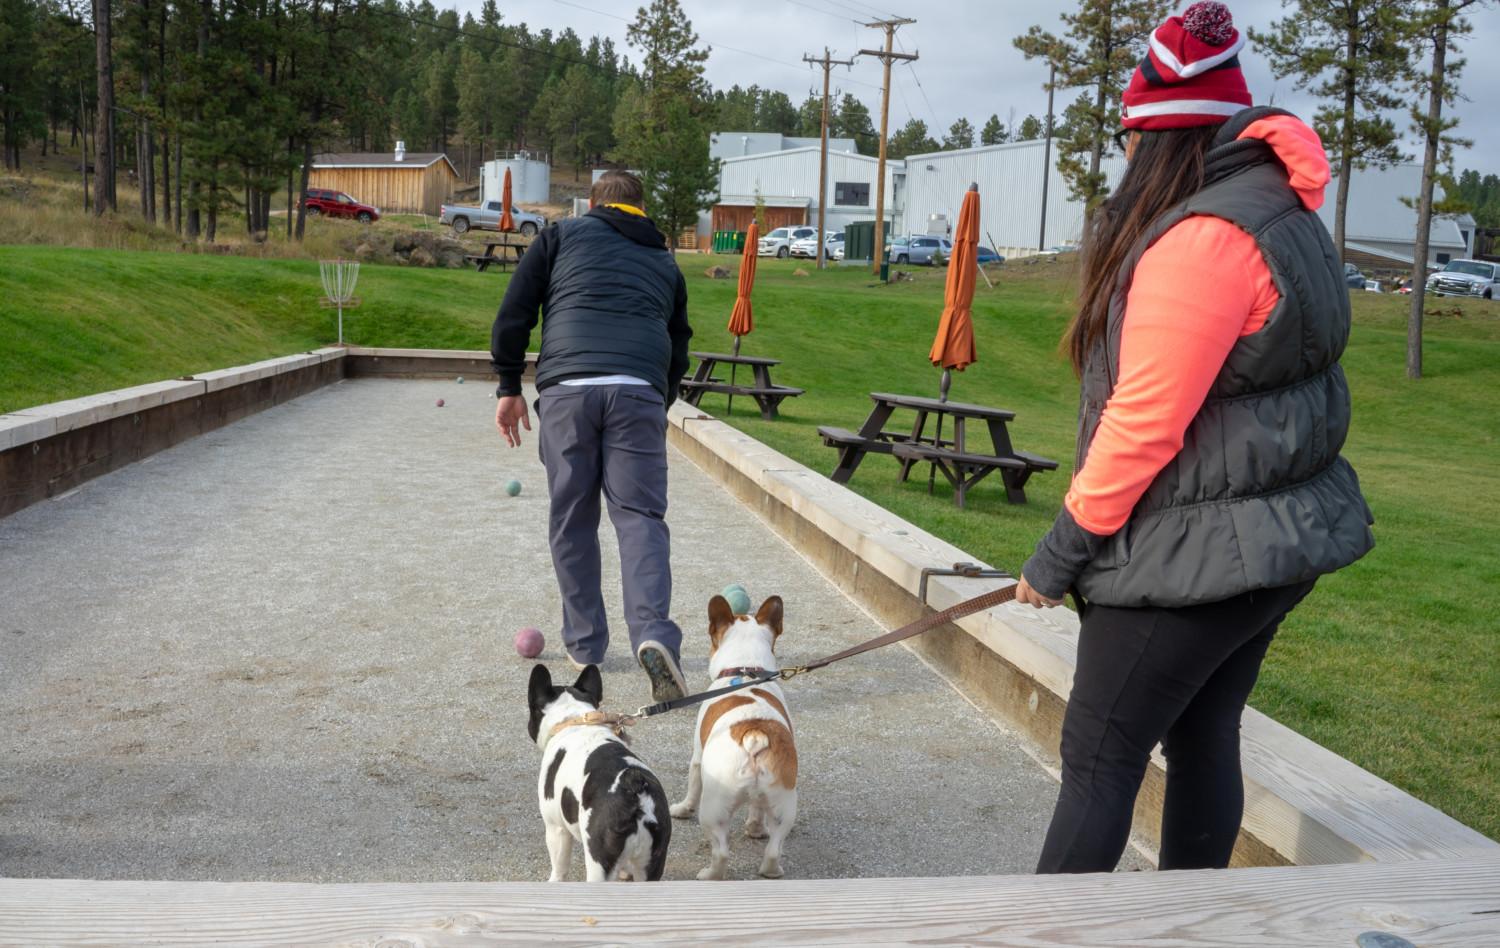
[638, 227]
[1296, 146]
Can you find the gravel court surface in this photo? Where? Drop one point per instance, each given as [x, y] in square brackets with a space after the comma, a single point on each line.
[282, 651]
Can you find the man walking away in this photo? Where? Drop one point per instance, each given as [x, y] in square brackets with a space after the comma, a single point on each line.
[613, 353]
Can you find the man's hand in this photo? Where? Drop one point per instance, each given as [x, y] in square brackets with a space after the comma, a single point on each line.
[511, 417]
[1028, 596]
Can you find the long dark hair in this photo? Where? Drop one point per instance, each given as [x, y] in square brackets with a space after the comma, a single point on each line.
[1167, 168]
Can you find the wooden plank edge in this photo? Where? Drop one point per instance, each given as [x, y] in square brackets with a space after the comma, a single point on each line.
[1438, 904]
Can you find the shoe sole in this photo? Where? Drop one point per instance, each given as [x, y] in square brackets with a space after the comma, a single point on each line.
[664, 685]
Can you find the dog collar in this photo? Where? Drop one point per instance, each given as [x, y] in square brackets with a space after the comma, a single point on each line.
[742, 672]
[615, 722]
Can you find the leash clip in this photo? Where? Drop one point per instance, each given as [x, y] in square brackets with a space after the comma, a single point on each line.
[787, 674]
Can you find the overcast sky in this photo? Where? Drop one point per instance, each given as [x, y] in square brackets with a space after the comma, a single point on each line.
[968, 66]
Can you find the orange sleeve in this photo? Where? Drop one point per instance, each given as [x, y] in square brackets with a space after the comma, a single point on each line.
[1199, 288]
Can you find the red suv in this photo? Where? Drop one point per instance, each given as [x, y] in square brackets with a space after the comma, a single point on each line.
[339, 204]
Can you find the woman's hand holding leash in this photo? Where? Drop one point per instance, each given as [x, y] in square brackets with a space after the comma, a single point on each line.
[1029, 596]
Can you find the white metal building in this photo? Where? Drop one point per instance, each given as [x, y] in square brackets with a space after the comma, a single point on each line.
[1010, 195]
[790, 179]
[1379, 230]
[724, 145]
[530, 177]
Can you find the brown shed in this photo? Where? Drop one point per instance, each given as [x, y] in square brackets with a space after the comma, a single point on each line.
[399, 182]
[736, 212]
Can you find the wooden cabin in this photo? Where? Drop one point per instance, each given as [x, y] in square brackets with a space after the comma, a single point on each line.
[399, 182]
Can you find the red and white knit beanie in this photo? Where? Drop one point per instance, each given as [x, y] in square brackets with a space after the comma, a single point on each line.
[1191, 75]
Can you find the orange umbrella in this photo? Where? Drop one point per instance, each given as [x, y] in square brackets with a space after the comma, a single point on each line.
[741, 321]
[954, 346]
[507, 223]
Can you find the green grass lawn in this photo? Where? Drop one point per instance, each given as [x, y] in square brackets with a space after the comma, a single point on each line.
[1392, 663]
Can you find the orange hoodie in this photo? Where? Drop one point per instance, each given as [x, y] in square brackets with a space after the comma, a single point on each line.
[1199, 288]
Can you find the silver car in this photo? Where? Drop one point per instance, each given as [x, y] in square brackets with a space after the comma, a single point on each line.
[808, 246]
[920, 250]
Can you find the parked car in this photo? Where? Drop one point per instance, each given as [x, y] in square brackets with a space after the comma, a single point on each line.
[1060, 248]
[920, 250]
[338, 204]
[778, 243]
[808, 246]
[1405, 287]
[986, 255]
[1466, 278]
[465, 218]
[1374, 286]
[1353, 279]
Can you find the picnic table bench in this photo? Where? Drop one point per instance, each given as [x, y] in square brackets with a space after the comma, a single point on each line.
[503, 258]
[766, 394]
[952, 455]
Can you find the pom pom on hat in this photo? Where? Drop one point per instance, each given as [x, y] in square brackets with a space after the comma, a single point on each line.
[1210, 21]
[1191, 74]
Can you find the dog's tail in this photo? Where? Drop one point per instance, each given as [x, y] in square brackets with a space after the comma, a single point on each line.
[770, 751]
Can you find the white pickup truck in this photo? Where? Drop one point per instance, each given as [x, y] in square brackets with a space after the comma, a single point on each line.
[487, 217]
[1466, 278]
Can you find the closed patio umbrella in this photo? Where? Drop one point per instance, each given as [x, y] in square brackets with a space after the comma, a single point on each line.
[507, 223]
[742, 320]
[954, 346]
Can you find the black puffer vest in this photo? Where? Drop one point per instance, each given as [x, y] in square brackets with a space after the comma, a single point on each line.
[607, 307]
[1258, 496]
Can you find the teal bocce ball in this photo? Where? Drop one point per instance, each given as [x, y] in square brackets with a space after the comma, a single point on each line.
[512, 487]
[739, 600]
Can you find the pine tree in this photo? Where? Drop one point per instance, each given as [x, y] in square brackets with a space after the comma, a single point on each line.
[1433, 27]
[993, 132]
[1348, 51]
[910, 139]
[21, 89]
[960, 135]
[810, 117]
[660, 124]
[853, 121]
[1031, 129]
[1100, 49]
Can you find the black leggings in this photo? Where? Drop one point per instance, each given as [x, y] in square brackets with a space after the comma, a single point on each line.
[1178, 676]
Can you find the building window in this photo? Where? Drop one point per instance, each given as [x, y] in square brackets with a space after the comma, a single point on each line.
[1443, 258]
[851, 194]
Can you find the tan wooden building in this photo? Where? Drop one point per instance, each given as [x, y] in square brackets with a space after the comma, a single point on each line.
[399, 182]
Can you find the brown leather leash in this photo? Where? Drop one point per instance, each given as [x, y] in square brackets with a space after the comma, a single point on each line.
[968, 607]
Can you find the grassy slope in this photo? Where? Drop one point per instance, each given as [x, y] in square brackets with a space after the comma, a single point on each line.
[1391, 663]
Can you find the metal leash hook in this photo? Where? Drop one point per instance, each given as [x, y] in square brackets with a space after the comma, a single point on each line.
[966, 570]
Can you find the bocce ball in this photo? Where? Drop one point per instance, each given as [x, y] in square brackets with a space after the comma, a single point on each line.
[460, 380]
[512, 487]
[739, 600]
[440, 403]
[529, 642]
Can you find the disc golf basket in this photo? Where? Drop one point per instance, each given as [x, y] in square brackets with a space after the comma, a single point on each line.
[338, 287]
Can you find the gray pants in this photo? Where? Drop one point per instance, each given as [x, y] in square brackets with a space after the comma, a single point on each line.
[609, 438]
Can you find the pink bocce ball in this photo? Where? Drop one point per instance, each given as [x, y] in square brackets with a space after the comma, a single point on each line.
[440, 403]
[529, 642]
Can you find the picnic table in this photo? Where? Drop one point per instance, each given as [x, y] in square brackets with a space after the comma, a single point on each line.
[503, 258]
[766, 395]
[949, 452]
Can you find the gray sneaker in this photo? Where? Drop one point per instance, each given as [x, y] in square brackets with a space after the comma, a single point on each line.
[660, 664]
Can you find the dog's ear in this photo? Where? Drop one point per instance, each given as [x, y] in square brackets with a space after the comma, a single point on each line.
[720, 617]
[770, 615]
[539, 691]
[591, 683]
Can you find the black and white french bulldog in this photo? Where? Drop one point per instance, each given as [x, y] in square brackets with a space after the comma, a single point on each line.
[592, 788]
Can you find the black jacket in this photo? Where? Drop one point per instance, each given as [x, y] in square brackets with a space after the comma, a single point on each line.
[612, 299]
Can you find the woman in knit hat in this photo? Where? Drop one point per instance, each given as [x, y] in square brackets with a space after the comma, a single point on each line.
[1208, 493]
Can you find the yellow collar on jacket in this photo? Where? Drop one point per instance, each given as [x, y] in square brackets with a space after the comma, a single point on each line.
[627, 209]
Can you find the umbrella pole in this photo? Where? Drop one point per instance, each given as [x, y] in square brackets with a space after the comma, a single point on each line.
[729, 409]
[937, 440]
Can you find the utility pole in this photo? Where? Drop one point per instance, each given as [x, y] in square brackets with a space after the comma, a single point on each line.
[827, 65]
[1041, 240]
[887, 57]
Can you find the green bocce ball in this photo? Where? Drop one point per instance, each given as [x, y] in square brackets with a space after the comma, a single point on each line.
[460, 380]
[512, 487]
[739, 600]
